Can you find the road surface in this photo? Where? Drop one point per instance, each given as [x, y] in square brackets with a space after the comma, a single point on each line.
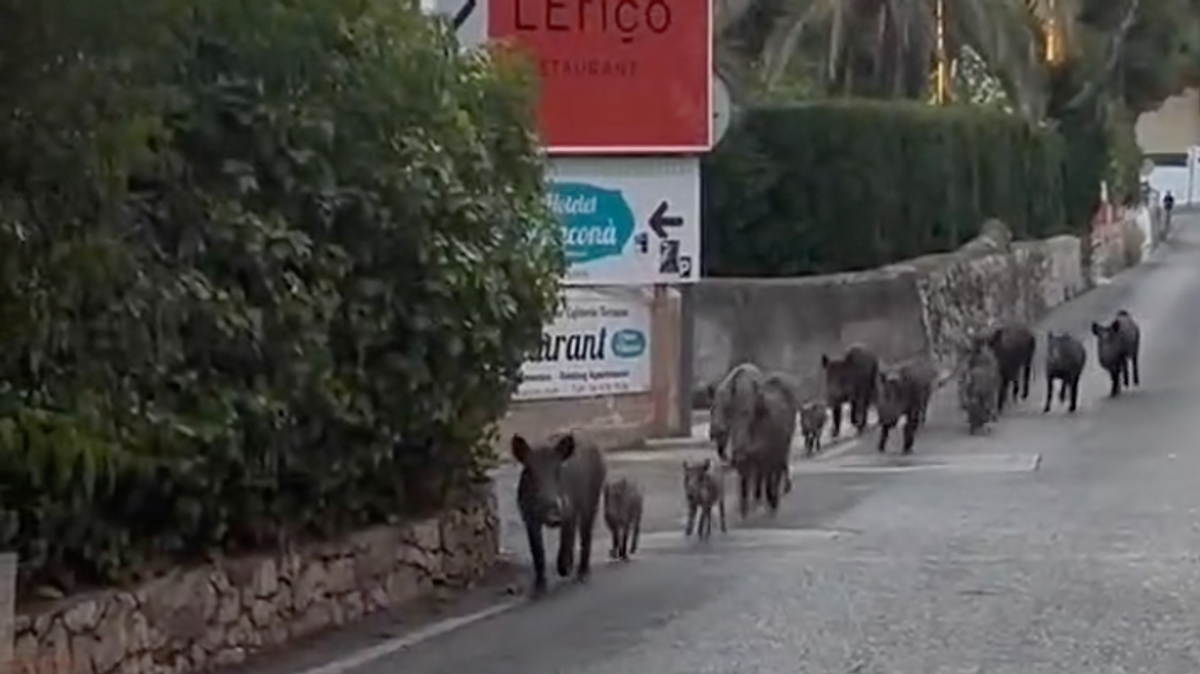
[1058, 544]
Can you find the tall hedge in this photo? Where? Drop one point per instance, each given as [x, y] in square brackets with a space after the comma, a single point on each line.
[851, 184]
[268, 271]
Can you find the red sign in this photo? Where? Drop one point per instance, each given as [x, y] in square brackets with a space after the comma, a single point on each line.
[617, 76]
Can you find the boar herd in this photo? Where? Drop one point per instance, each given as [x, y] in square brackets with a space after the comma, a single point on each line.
[563, 482]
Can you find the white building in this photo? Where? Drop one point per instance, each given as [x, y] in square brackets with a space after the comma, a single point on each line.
[1170, 138]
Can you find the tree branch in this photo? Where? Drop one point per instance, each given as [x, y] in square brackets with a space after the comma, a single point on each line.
[1116, 46]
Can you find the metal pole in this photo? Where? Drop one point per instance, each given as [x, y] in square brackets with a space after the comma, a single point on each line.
[687, 352]
[8, 608]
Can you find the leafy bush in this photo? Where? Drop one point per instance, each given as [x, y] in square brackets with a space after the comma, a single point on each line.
[849, 184]
[267, 270]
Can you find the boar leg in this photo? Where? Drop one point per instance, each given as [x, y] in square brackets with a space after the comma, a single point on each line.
[587, 528]
[537, 550]
[566, 547]
[910, 431]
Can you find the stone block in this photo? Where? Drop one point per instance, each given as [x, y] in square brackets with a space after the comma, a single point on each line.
[220, 614]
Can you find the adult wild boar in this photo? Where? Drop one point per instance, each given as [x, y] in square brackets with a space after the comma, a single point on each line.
[904, 392]
[1013, 346]
[850, 379]
[731, 403]
[559, 487]
[761, 449]
[1117, 347]
[1065, 358]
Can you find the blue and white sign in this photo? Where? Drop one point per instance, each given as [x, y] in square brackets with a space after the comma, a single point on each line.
[599, 345]
[628, 220]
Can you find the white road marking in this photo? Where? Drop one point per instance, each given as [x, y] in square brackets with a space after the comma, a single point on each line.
[369, 655]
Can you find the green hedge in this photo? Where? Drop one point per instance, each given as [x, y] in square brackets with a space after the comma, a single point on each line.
[268, 271]
[850, 184]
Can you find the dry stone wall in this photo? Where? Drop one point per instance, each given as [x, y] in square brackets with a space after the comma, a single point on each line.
[926, 307]
[221, 613]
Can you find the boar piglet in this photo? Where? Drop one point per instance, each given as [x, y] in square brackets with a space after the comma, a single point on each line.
[813, 416]
[703, 489]
[623, 516]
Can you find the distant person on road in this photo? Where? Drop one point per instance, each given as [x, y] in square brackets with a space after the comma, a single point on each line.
[1168, 206]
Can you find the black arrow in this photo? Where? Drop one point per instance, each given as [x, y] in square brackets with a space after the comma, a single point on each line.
[463, 13]
[660, 221]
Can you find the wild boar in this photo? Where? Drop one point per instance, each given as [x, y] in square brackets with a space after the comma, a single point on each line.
[732, 404]
[761, 449]
[904, 392]
[623, 505]
[850, 378]
[813, 416]
[559, 487]
[703, 489]
[1117, 347]
[978, 386]
[1065, 360]
[1013, 346]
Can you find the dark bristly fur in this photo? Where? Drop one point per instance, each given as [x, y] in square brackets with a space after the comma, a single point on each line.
[1117, 346]
[1065, 360]
[1013, 346]
[850, 379]
[904, 392]
[559, 487]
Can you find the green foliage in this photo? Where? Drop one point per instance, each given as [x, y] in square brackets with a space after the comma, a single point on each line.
[845, 185]
[267, 270]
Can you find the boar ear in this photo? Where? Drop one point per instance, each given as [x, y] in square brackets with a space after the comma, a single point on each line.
[1097, 329]
[1115, 326]
[565, 446]
[520, 448]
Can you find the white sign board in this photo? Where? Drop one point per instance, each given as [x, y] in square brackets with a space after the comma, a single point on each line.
[628, 220]
[598, 345]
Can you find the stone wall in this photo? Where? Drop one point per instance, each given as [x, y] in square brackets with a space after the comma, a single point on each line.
[785, 324]
[221, 613]
[923, 307]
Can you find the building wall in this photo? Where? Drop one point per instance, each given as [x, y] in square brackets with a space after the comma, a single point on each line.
[1172, 128]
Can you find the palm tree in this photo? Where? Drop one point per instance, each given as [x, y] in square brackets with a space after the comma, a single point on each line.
[887, 47]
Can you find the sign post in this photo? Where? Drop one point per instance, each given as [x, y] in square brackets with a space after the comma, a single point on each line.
[626, 111]
[8, 609]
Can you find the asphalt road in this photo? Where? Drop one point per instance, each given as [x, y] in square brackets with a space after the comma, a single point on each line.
[1058, 543]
